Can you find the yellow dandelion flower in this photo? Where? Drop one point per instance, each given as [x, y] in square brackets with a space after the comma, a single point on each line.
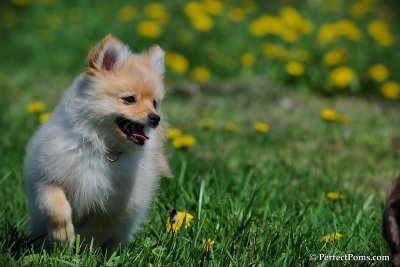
[329, 114]
[290, 15]
[277, 51]
[157, 11]
[230, 126]
[335, 196]
[201, 74]
[184, 141]
[205, 124]
[35, 107]
[127, 13]
[247, 59]
[176, 62]
[349, 29]
[335, 57]
[289, 36]
[149, 29]
[21, 2]
[207, 245]
[236, 14]
[295, 68]
[343, 28]
[293, 19]
[202, 22]
[379, 31]
[192, 8]
[378, 73]
[326, 34]
[261, 127]
[342, 76]
[258, 27]
[174, 224]
[174, 133]
[267, 24]
[331, 237]
[44, 117]
[343, 118]
[361, 7]
[214, 7]
[390, 90]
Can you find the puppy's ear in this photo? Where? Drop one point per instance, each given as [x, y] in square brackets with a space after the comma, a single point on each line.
[108, 54]
[156, 59]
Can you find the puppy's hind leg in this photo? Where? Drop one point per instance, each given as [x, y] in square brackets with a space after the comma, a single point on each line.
[55, 207]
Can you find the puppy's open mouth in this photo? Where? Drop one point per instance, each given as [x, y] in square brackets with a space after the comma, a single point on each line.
[134, 131]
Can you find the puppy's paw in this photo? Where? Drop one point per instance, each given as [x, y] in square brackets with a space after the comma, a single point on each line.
[57, 209]
[63, 233]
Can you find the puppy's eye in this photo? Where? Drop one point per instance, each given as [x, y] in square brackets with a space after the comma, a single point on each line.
[155, 104]
[129, 100]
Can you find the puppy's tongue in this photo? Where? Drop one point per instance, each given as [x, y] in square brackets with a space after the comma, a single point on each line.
[141, 137]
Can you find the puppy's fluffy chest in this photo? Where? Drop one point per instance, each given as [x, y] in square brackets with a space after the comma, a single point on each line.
[106, 186]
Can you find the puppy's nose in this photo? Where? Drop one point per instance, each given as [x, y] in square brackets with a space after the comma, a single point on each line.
[154, 119]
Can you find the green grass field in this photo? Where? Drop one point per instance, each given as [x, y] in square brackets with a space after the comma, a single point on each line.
[264, 200]
[260, 196]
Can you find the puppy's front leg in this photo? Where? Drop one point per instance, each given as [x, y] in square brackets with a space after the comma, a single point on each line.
[57, 210]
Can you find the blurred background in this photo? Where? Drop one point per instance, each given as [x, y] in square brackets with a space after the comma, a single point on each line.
[327, 46]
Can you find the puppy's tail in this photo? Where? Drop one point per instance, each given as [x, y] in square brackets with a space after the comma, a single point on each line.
[391, 223]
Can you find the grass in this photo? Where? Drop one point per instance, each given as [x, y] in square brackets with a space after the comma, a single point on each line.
[264, 195]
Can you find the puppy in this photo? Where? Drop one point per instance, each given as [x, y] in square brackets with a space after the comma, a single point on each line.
[93, 168]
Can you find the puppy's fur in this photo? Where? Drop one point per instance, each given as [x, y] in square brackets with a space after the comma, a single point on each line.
[90, 170]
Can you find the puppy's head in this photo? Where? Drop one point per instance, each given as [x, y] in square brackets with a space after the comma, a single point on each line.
[126, 88]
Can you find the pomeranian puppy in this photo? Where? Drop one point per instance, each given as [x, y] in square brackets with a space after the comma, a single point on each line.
[92, 169]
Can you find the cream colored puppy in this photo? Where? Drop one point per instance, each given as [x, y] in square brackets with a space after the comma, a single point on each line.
[93, 168]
